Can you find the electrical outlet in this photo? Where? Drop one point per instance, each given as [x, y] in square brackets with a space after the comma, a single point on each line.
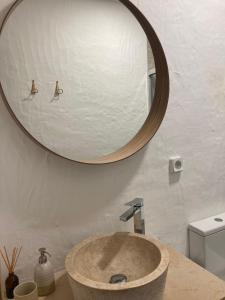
[176, 164]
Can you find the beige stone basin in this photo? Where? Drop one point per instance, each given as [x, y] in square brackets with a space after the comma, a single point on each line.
[92, 263]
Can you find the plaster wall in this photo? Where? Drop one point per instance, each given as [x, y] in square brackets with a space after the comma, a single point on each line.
[47, 201]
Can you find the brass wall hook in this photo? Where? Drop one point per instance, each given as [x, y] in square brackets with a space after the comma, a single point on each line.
[58, 91]
[34, 89]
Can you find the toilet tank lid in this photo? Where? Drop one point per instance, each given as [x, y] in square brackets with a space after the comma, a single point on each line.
[209, 226]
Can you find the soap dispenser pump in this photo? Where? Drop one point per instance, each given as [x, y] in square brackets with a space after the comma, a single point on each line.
[44, 274]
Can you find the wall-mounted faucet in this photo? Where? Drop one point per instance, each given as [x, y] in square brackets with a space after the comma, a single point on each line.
[137, 212]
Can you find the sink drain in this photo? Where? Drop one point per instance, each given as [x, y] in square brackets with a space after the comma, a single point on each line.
[118, 278]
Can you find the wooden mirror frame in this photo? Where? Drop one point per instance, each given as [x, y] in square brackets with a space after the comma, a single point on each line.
[159, 105]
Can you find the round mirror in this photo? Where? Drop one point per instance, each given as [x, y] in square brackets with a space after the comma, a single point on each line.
[86, 79]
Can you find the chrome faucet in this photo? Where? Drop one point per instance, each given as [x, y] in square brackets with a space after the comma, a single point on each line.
[135, 211]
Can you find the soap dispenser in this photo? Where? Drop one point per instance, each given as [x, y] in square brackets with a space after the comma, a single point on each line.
[44, 274]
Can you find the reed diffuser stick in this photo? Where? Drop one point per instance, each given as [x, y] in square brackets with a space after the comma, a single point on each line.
[10, 263]
[16, 257]
[6, 263]
[6, 255]
[13, 257]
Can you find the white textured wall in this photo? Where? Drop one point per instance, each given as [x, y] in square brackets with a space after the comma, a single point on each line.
[47, 201]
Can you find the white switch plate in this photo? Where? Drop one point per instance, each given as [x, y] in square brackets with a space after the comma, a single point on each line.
[176, 164]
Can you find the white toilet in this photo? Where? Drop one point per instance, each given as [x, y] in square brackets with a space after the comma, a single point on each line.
[207, 244]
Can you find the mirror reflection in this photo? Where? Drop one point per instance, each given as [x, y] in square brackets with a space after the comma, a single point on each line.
[79, 75]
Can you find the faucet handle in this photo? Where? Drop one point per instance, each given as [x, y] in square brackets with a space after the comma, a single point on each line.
[137, 202]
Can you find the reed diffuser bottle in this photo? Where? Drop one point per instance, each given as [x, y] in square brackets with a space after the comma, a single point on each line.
[12, 280]
[10, 283]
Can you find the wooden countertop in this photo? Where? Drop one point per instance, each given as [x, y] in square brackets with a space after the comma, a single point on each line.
[186, 281]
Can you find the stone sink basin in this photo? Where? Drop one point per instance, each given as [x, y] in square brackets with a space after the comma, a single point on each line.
[135, 263]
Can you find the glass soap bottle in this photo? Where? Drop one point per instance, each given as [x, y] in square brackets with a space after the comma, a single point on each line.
[44, 274]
